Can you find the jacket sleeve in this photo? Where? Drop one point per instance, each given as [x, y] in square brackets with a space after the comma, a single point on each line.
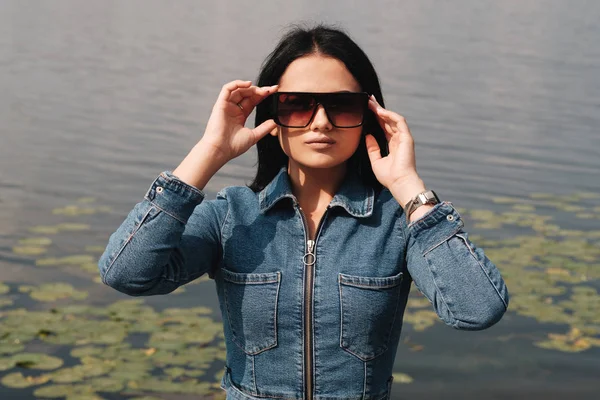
[170, 238]
[464, 286]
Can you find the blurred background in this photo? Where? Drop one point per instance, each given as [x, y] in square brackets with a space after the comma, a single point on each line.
[98, 97]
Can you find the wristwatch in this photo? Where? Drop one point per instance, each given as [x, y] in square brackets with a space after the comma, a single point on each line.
[426, 197]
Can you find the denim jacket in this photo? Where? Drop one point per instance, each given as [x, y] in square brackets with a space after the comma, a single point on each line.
[305, 319]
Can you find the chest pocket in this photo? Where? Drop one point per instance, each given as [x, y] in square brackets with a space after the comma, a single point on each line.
[368, 308]
[251, 302]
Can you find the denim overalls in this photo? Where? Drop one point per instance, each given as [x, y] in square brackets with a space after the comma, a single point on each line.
[305, 319]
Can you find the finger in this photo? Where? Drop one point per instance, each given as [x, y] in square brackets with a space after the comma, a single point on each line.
[388, 129]
[387, 114]
[396, 120]
[249, 103]
[238, 94]
[396, 126]
[250, 97]
[229, 87]
[262, 130]
[372, 148]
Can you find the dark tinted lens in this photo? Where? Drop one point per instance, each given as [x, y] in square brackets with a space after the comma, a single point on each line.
[295, 110]
[346, 109]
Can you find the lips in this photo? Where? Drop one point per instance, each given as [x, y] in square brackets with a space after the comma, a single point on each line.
[321, 140]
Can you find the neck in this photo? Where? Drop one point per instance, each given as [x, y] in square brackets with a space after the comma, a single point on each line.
[315, 187]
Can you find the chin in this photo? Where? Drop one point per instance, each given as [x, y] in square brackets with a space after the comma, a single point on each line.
[321, 162]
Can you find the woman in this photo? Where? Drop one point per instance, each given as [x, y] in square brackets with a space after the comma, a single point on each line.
[313, 262]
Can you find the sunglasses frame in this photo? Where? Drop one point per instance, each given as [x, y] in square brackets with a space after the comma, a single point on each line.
[319, 97]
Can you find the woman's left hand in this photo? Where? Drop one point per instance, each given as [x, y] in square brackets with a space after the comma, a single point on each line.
[397, 171]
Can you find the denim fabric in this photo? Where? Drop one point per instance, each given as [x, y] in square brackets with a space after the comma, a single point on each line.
[254, 245]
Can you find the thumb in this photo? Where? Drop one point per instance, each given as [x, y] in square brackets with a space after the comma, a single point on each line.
[372, 148]
[263, 129]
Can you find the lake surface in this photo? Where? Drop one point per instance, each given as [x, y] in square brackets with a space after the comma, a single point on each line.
[503, 100]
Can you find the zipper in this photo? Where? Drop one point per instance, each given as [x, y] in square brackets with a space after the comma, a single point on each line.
[309, 260]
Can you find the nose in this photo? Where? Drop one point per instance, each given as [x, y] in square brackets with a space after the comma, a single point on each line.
[320, 120]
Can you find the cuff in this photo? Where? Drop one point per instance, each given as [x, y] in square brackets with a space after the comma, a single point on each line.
[174, 197]
[438, 225]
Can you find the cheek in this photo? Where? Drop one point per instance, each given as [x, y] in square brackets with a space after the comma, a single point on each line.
[353, 141]
[287, 143]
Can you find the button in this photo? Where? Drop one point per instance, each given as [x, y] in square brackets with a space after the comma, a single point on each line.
[159, 189]
[450, 217]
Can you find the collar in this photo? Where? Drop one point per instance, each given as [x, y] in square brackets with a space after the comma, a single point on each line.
[353, 195]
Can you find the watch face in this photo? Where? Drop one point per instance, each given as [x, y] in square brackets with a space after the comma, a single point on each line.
[429, 197]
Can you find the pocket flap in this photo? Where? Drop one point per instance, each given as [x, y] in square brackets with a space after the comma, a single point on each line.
[369, 282]
[249, 279]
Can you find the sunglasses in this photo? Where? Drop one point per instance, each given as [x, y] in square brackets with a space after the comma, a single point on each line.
[297, 109]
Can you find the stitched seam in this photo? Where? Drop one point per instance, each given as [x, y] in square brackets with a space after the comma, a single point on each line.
[180, 184]
[274, 201]
[224, 222]
[364, 286]
[439, 292]
[254, 376]
[430, 213]
[234, 335]
[341, 312]
[362, 358]
[118, 253]
[483, 269]
[250, 282]
[241, 392]
[442, 241]
[364, 395]
[167, 212]
[348, 280]
[393, 320]
[276, 307]
[233, 277]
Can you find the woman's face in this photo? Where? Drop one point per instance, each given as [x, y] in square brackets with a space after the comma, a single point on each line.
[316, 73]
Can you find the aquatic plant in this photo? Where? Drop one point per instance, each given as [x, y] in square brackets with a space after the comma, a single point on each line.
[130, 348]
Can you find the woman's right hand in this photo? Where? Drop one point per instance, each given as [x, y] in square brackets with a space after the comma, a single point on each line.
[225, 132]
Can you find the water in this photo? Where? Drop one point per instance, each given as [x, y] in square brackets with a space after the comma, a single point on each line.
[503, 99]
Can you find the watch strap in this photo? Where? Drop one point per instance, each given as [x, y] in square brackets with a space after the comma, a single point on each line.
[426, 197]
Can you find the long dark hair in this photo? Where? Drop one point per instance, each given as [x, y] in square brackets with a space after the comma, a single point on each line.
[327, 41]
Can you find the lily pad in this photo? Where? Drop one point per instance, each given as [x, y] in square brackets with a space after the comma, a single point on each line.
[10, 347]
[4, 288]
[73, 227]
[400, 377]
[95, 249]
[29, 250]
[53, 292]
[18, 381]
[36, 241]
[36, 361]
[45, 229]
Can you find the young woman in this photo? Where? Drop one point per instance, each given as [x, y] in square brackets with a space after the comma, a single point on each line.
[313, 261]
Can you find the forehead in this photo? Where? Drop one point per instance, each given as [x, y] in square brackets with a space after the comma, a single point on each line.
[316, 73]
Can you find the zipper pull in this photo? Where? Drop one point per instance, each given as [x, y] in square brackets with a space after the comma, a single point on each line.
[309, 257]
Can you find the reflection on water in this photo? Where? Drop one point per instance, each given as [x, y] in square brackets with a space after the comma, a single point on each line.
[96, 99]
